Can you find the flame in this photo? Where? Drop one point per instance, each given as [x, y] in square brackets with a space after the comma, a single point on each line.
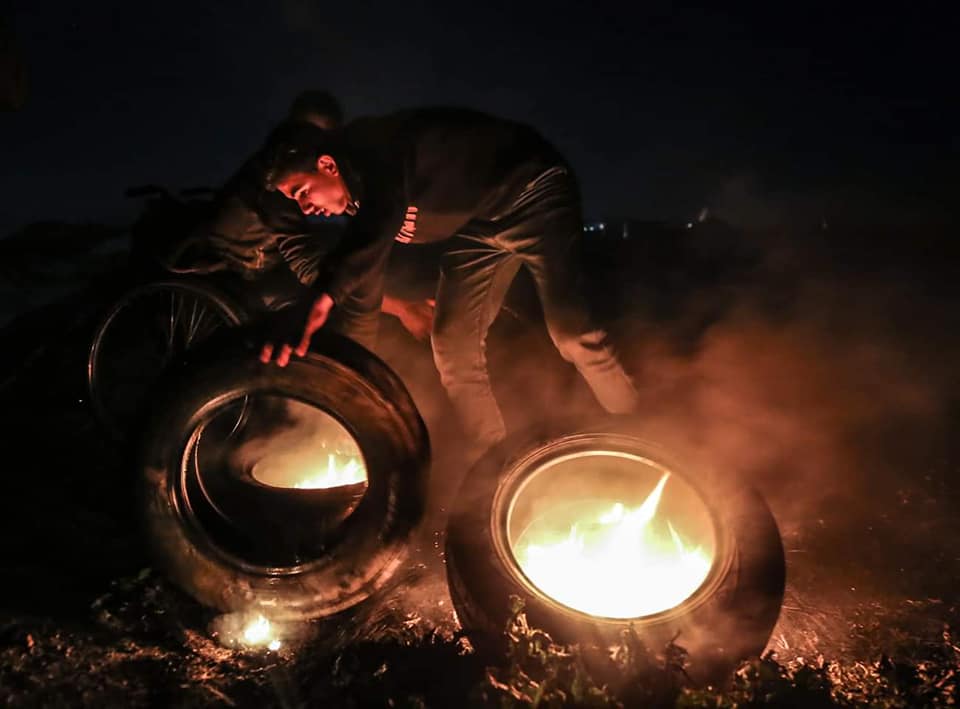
[307, 449]
[616, 564]
[259, 632]
[300, 471]
[349, 473]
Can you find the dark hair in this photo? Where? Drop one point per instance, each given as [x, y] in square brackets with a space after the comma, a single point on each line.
[294, 147]
[314, 103]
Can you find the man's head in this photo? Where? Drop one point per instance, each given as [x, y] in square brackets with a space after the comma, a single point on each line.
[319, 108]
[303, 164]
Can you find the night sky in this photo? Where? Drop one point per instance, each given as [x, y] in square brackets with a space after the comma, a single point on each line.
[760, 114]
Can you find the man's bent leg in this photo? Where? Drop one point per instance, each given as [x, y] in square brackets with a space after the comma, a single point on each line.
[548, 241]
[474, 278]
[588, 348]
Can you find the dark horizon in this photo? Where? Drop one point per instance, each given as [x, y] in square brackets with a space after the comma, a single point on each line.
[762, 116]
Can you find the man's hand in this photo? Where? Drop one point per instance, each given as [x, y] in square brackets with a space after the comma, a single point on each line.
[318, 315]
[415, 315]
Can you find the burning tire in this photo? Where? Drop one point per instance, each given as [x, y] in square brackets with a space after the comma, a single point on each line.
[598, 530]
[225, 519]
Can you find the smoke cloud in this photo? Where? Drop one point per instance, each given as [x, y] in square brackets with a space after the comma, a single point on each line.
[814, 365]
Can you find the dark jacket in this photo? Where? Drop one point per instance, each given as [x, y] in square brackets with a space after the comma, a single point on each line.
[420, 176]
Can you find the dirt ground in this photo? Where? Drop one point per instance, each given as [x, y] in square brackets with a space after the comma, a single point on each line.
[820, 368]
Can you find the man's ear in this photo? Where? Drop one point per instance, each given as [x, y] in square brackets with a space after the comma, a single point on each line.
[326, 164]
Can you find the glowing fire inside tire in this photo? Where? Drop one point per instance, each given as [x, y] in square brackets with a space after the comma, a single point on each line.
[288, 491]
[611, 547]
[598, 530]
[267, 479]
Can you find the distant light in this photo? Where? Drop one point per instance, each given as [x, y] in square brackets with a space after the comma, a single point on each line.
[689, 225]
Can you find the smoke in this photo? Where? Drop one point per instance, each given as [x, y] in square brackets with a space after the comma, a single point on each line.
[784, 404]
[823, 376]
[816, 366]
[784, 368]
[286, 443]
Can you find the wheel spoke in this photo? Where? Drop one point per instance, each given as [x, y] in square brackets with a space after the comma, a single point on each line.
[148, 329]
[208, 323]
[196, 313]
[171, 324]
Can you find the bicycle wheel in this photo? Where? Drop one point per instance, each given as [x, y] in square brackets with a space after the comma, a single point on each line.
[147, 329]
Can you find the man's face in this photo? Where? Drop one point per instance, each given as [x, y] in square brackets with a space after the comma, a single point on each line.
[321, 192]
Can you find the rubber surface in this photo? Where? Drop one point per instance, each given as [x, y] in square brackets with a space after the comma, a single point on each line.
[730, 621]
[339, 377]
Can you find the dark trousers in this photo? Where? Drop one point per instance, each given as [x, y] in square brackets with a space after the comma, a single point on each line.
[540, 231]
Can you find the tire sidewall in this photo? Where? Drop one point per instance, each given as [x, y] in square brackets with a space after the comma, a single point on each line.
[341, 378]
[732, 622]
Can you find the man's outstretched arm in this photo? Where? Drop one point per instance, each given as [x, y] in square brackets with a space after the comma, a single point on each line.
[356, 277]
[316, 318]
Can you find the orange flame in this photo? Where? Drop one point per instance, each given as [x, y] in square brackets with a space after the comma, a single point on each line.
[259, 633]
[336, 474]
[616, 564]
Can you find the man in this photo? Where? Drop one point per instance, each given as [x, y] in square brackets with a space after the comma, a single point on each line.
[264, 237]
[501, 195]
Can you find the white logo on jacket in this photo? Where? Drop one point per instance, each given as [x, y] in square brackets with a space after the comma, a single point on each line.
[409, 228]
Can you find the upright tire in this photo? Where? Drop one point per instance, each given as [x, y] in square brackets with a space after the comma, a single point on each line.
[357, 557]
